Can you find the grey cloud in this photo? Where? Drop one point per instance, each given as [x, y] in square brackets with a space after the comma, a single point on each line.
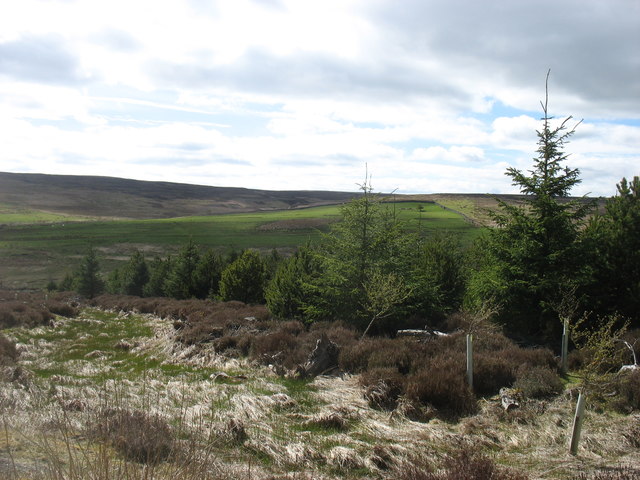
[313, 75]
[592, 47]
[43, 59]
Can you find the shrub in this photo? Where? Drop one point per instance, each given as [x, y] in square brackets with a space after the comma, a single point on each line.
[62, 309]
[620, 473]
[383, 387]
[278, 347]
[492, 371]
[8, 351]
[200, 332]
[391, 354]
[28, 313]
[136, 435]
[443, 385]
[537, 382]
[632, 434]
[340, 334]
[466, 463]
[628, 398]
[355, 358]
[371, 353]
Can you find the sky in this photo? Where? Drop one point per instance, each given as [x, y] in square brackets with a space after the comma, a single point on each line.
[422, 96]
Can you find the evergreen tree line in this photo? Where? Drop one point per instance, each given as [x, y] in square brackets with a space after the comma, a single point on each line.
[549, 257]
[189, 274]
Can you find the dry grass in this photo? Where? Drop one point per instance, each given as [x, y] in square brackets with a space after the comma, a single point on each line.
[207, 414]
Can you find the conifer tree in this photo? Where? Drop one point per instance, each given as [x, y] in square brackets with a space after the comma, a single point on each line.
[180, 283]
[134, 275]
[614, 240]
[159, 270]
[290, 293]
[87, 280]
[207, 274]
[535, 247]
[244, 279]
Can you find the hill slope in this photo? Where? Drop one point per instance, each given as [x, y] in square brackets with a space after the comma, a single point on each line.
[122, 198]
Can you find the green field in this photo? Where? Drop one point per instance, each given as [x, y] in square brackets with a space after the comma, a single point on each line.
[11, 215]
[31, 252]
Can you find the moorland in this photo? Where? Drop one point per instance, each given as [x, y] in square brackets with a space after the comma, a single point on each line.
[209, 385]
[48, 221]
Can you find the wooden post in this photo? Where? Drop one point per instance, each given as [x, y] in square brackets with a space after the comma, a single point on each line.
[577, 424]
[565, 346]
[470, 360]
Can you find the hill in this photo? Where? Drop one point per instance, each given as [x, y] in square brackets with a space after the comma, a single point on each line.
[122, 198]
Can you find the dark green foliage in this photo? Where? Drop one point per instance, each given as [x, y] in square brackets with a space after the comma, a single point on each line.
[437, 280]
[535, 250]
[366, 242]
[66, 284]
[158, 272]
[614, 241]
[87, 280]
[244, 279]
[135, 275]
[181, 281]
[207, 275]
[114, 282]
[290, 292]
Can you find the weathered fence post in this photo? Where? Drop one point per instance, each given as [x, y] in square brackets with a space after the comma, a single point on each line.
[577, 423]
[565, 346]
[470, 360]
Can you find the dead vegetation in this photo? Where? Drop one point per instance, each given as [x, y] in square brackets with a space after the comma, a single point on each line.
[202, 391]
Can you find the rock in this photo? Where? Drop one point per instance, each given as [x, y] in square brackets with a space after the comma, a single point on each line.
[510, 398]
[323, 359]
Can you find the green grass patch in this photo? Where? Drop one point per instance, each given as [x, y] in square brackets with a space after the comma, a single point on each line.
[301, 391]
[10, 214]
[32, 254]
[259, 230]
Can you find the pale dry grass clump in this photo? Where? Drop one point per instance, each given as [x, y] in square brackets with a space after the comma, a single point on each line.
[228, 418]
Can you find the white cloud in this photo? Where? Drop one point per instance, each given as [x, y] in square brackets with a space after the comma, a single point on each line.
[433, 96]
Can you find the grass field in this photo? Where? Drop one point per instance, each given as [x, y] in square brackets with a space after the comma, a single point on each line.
[32, 252]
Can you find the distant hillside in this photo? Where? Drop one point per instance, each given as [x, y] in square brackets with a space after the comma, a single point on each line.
[121, 198]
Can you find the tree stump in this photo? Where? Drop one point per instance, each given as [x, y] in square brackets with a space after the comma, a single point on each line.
[322, 359]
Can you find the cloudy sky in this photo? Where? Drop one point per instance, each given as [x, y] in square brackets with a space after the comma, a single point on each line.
[429, 95]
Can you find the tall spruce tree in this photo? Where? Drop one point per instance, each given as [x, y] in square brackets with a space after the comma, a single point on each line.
[535, 247]
[366, 242]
